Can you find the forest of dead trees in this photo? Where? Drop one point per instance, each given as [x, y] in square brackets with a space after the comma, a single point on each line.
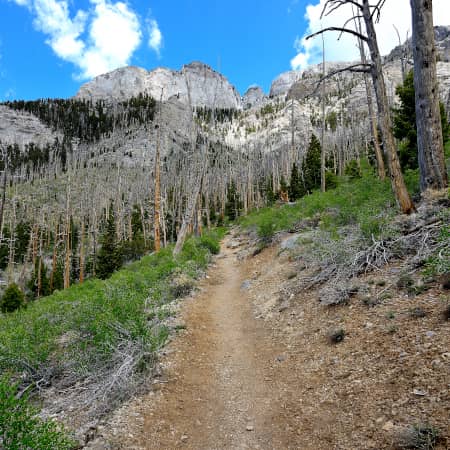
[82, 206]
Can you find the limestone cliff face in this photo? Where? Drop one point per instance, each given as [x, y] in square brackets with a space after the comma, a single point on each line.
[207, 87]
[253, 97]
[283, 82]
[23, 128]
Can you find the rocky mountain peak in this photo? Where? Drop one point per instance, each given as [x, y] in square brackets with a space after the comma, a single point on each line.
[284, 81]
[208, 87]
[254, 96]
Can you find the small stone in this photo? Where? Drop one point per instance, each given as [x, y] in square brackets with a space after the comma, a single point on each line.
[184, 438]
[436, 364]
[249, 428]
[419, 392]
[388, 426]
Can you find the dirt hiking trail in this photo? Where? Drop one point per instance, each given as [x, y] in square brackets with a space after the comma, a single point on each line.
[219, 393]
[253, 369]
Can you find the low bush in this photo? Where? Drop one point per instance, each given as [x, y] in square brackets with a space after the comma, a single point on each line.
[98, 335]
[20, 428]
[12, 299]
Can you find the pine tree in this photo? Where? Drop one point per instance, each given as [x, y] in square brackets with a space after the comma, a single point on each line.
[296, 189]
[268, 190]
[12, 299]
[311, 165]
[233, 205]
[39, 284]
[109, 256]
[404, 123]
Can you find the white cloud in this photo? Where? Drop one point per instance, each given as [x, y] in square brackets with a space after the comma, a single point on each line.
[96, 41]
[394, 12]
[114, 36]
[155, 39]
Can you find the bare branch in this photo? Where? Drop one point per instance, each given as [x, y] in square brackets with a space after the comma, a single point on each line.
[377, 10]
[349, 20]
[336, 4]
[342, 30]
[355, 68]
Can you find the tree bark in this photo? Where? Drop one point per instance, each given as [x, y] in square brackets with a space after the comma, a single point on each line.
[433, 173]
[372, 116]
[398, 183]
[322, 150]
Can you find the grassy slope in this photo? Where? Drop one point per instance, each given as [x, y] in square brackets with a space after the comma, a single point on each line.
[366, 201]
[74, 333]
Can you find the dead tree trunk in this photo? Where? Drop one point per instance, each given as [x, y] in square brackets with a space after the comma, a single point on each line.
[433, 174]
[372, 116]
[397, 181]
[157, 201]
[322, 149]
[67, 258]
[368, 12]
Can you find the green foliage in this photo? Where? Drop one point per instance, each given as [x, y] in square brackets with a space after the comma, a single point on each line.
[296, 189]
[44, 282]
[85, 120]
[366, 201]
[311, 165]
[270, 194]
[21, 239]
[352, 170]
[21, 429]
[110, 256]
[404, 123]
[331, 180]
[12, 299]
[331, 120]
[439, 263]
[233, 205]
[266, 228]
[98, 315]
[210, 241]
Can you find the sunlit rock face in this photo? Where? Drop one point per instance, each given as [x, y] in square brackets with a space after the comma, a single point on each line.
[205, 86]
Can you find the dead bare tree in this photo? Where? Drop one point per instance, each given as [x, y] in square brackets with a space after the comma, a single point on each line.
[322, 147]
[369, 13]
[372, 116]
[157, 201]
[433, 173]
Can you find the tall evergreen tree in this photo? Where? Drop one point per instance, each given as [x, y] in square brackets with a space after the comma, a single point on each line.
[233, 205]
[39, 284]
[404, 123]
[109, 257]
[311, 165]
[296, 188]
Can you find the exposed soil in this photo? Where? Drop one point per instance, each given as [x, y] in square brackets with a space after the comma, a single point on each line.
[254, 370]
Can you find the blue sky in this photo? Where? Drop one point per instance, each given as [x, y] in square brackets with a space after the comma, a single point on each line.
[48, 48]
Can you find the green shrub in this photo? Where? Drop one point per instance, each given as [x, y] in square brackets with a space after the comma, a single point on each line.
[352, 170]
[366, 201]
[75, 332]
[331, 180]
[210, 243]
[20, 428]
[266, 229]
[12, 299]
